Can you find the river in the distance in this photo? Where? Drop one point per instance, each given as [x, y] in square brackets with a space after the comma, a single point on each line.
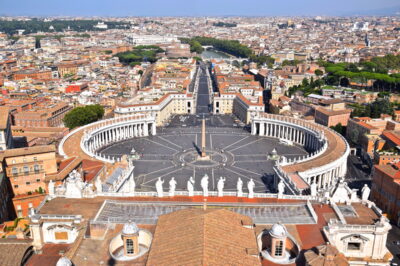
[211, 53]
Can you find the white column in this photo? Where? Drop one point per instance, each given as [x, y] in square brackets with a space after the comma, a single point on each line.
[262, 130]
[136, 130]
[140, 130]
[253, 128]
[153, 129]
[145, 129]
[320, 181]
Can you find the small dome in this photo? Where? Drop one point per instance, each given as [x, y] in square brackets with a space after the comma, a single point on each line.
[64, 261]
[278, 230]
[130, 228]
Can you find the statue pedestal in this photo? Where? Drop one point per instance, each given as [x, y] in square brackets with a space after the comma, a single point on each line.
[203, 158]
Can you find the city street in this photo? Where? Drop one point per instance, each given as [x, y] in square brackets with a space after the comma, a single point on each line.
[203, 95]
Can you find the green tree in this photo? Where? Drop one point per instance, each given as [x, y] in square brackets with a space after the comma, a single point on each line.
[81, 116]
[318, 72]
[339, 128]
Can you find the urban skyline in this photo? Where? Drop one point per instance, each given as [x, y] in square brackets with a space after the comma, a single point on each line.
[200, 8]
[199, 140]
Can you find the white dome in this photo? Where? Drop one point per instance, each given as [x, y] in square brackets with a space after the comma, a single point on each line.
[278, 230]
[130, 228]
[64, 261]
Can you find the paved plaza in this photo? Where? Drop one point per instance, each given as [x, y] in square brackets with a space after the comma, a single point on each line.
[233, 152]
[148, 212]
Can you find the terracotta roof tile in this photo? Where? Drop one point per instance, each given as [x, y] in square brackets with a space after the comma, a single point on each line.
[202, 237]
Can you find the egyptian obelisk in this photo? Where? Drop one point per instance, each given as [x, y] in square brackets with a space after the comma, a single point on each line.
[203, 139]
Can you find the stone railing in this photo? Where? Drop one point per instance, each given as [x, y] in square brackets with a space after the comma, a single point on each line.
[210, 194]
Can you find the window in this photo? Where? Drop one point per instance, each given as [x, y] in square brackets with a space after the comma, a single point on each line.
[26, 170]
[14, 171]
[61, 235]
[35, 159]
[36, 168]
[38, 180]
[129, 246]
[279, 248]
[28, 183]
[16, 186]
[354, 246]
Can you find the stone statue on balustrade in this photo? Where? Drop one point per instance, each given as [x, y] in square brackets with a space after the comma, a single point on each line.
[73, 186]
[98, 185]
[88, 191]
[159, 187]
[172, 187]
[365, 192]
[190, 186]
[220, 186]
[281, 189]
[250, 187]
[204, 185]
[60, 189]
[51, 188]
[239, 187]
[313, 188]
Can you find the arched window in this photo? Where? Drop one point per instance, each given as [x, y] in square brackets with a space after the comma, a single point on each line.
[129, 246]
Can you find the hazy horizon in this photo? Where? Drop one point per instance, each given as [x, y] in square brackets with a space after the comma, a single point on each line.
[196, 8]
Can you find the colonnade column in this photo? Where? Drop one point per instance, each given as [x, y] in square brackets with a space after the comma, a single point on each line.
[145, 129]
[262, 129]
[253, 128]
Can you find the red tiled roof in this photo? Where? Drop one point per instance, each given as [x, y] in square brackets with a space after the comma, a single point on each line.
[392, 137]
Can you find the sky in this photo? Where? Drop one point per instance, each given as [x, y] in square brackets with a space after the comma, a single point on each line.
[197, 7]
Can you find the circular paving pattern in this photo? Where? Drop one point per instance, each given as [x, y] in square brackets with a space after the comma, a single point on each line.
[213, 158]
[233, 152]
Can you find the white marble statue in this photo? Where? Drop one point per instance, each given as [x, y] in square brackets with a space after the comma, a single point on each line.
[239, 187]
[190, 186]
[220, 186]
[73, 188]
[281, 189]
[51, 188]
[32, 212]
[88, 191]
[365, 192]
[250, 187]
[172, 187]
[159, 187]
[99, 186]
[204, 185]
[313, 188]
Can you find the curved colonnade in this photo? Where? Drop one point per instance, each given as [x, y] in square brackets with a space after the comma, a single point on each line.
[115, 130]
[328, 152]
[105, 132]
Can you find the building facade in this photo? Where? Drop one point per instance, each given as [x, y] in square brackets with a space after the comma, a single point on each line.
[26, 168]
